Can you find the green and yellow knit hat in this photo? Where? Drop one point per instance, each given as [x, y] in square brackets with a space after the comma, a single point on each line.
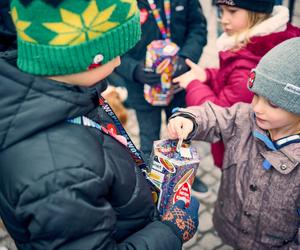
[58, 37]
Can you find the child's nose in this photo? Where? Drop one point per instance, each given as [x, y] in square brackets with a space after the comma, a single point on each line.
[224, 18]
[256, 105]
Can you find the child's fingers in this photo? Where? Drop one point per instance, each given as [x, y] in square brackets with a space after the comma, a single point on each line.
[177, 79]
[185, 134]
[183, 80]
[172, 129]
[186, 128]
[179, 127]
[180, 133]
[173, 134]
[182, 128]
[190, 63]
[175, 128]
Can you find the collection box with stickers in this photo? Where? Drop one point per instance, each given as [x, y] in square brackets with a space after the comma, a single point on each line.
[172, 172]
[161, 58]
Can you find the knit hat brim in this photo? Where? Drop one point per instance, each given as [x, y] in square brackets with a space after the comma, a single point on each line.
[276, 77]
[42, 59]
[262, 6]
[270, 88]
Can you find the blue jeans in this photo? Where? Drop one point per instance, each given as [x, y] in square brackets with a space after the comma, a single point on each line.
[150, 122]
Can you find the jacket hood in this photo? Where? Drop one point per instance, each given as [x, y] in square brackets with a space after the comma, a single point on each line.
[30, 104]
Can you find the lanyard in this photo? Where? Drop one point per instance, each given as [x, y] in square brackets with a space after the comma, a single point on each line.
[134, 152]
[165, 31]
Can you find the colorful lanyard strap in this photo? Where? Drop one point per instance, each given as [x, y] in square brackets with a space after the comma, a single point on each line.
[134, 152]
[165, 31]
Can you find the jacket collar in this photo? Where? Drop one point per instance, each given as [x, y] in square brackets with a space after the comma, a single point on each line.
[282, 156]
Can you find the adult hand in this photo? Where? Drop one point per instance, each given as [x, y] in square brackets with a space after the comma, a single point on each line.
[179, 127]
[183, 221]
[195, 73]
[145, 76]
[181, 67]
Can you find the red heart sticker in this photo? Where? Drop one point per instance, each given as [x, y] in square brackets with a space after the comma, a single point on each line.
[111, 128]
[101, 101]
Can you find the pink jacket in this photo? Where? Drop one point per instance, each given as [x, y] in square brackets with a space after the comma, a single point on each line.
[228, 84]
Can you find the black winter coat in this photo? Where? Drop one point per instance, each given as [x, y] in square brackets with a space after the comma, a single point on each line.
[66, 186]
[188, 31]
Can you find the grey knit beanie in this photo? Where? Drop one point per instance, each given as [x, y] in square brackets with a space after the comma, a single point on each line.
[277, 76]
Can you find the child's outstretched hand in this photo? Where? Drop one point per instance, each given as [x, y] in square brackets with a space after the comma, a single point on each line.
[180, 127]
[195, 73]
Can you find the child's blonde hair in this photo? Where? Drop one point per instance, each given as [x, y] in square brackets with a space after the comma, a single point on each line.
[254, 18]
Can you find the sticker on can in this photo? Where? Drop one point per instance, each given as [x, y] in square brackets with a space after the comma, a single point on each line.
[184, 179]
[183, 193]
[167, 165]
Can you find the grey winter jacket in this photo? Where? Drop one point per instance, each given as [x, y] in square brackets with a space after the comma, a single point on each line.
[256, 208]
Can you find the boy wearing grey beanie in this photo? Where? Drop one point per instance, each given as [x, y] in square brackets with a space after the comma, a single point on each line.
[277, 76]
[258, 205]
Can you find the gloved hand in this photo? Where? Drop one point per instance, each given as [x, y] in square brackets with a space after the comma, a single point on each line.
[145, 76]
[181, 67]
[183, 221]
